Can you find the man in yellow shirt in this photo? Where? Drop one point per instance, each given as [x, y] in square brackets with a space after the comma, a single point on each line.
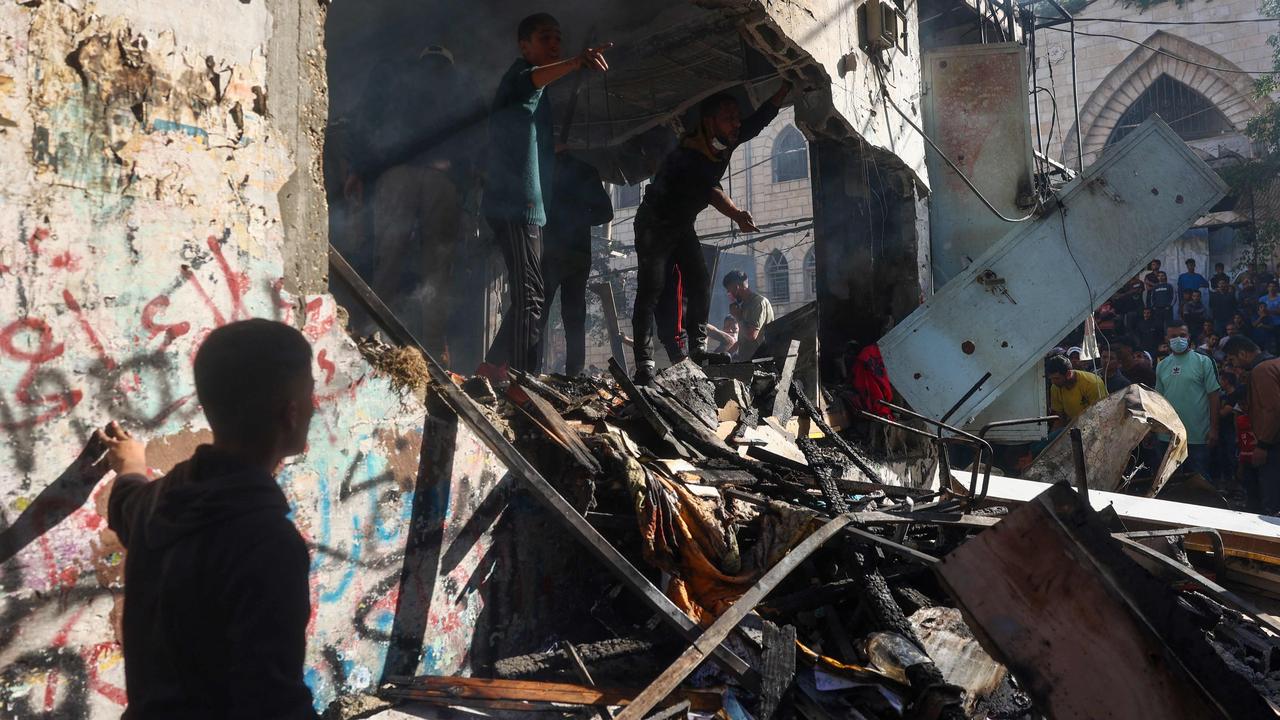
[1073, 391]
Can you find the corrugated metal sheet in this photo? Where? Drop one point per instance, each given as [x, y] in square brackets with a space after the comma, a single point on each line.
[998, 317]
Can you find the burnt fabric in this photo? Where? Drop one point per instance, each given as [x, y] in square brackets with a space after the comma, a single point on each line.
[216, 598]
[518, 342]
[691, 539]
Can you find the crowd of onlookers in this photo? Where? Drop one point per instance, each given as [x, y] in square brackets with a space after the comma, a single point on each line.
[1207, 346]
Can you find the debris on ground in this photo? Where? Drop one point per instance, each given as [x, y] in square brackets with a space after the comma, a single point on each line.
[819, 585]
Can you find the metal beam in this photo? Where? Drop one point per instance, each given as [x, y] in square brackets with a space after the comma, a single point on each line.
[519, 467]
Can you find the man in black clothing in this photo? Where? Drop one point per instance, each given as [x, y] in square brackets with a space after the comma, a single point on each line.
[1160, 299]
[216, 598]
[578, 202]
[687, 182]
[1222, 305]
[1219, 275]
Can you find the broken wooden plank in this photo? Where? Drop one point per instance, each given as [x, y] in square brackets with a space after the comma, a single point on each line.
[720, 629]
[469, 688]
[552, 422]
[563, 402]
[604, 291]
[952, 647]
[779, 671]
[1059, 625]
[656, 421]
[584, 675]
[519, 467]
[781, 407]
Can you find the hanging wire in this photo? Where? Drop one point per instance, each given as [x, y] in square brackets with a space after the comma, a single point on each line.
[884, 92]
[1166, 53]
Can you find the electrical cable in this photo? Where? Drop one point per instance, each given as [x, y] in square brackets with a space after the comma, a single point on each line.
[1053, 119]
[1168, 22]
[1062, 217]
[1166, 53]
[884, 92]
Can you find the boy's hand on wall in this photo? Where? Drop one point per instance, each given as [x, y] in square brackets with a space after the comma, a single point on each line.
[125, 455]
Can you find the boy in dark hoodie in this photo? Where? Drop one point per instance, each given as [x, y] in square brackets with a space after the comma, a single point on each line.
[216, 595]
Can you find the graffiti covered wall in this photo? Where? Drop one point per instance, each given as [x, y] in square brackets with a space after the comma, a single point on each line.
[139, 209]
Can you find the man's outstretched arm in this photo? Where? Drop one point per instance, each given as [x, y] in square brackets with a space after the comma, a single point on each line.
[590, 59]
[721, 201]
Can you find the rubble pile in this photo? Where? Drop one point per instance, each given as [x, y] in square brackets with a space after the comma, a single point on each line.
[816, 589]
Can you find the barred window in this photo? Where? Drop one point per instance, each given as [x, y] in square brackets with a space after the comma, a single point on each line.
[790, 156]
[811, 273]
[777, 276]
[1190, 114]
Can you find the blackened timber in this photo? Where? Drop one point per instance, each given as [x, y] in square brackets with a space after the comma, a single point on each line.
[781, 407]
[541, 411]
[779, 667]
[660, 426]
[720, 629]
[807, 407]
[492, 437]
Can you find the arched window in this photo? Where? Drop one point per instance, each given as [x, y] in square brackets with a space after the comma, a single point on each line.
[777, 278]
[790, 156]
[1190, 114]
[811, 273]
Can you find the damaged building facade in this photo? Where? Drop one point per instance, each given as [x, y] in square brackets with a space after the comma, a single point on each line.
[172, 167]
[164, 176]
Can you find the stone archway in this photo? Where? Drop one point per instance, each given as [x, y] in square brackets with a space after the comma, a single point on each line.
[1232, 93]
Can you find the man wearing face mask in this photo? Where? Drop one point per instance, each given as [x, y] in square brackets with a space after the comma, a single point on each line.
[687, 182]
[1189, 381]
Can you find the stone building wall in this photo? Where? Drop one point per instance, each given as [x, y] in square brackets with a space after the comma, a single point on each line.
[1111, 73]
[160, 178]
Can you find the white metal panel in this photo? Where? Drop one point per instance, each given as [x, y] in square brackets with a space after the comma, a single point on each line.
[998, 317]
[975, 108]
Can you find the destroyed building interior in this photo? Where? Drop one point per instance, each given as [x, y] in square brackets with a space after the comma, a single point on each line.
[755, 539]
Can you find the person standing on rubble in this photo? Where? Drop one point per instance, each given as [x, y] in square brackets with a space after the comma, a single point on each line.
[686, 183]
[216, 591]
[519, 181]
[417, 161]
[1263, 408]
[1189, 381]
[578, 203]
[753, 311]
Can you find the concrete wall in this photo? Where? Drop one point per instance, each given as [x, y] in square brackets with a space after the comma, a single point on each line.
[159, 179]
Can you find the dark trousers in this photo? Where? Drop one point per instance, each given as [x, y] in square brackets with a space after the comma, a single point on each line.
[566, 265]
[518, 341]
[657, 244]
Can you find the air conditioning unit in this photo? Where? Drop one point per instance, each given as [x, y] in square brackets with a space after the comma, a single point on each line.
[882, 25]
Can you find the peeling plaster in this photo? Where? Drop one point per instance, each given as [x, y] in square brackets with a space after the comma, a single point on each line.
[142, 209]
